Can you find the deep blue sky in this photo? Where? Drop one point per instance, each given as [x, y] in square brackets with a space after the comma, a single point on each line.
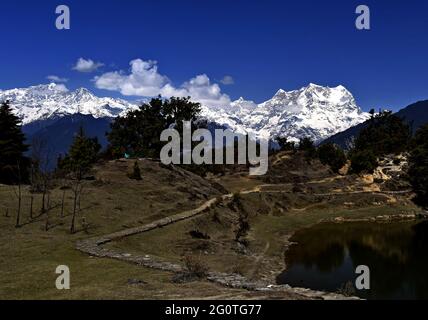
[264, 45]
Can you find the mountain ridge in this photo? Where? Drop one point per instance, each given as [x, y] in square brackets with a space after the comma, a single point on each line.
[415, 114]
[313, 111]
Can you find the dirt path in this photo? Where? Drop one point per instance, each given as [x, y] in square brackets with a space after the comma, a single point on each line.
[94, 247]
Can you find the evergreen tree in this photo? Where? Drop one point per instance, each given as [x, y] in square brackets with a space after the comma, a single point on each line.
[363, 161]
[385, 134]
[285, 145]
[13, 164]
[418, 169]
[82, 155]
[331, 155]
[138, 133]
[308, 147]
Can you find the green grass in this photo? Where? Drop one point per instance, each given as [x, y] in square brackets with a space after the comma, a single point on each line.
[29, 255]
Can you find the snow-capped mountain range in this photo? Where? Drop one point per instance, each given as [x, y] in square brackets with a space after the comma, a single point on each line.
[313, 111]
[54, 100]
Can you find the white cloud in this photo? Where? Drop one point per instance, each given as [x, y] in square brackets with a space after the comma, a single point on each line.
[144, 80]
[87, 65]
[227, 80]
[58, 87]
[56, 79]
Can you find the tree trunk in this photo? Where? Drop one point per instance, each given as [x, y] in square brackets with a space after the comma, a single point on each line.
[31, 207]
[47, 221]
[73, 220]
[18, 214]
[62, 203]
[43, 201]
[48, 205]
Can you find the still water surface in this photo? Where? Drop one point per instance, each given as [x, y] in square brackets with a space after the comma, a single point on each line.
[326, 256]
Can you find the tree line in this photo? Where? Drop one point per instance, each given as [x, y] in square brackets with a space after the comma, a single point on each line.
[385, 134]
[137, 134]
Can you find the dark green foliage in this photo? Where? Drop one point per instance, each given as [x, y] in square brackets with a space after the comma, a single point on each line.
[136, 172]
[331, 155]
[363, 161]
[13, 165]
[138, 133]
[285, 145]
[82, 155]
[308, 147]
[418, 169]
[386, 134]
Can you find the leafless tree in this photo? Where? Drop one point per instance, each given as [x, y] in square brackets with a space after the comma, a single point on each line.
[18, 192]
[41, 177]
[63, 200]
[31, 206]
[77, 189]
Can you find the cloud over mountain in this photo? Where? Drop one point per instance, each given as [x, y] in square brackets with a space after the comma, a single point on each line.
[144, 80]
[87, 65]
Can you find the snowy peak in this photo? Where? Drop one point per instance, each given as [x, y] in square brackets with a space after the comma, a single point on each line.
[313, 111]
[55, 100]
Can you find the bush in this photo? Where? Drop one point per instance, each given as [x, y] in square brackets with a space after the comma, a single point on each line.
[332, 156]
[136, 172]
[363, 161]
[195, 266]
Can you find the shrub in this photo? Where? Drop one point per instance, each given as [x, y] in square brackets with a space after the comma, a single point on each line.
[136, 172]
[363, 161]
[195, 266]
[332, 156]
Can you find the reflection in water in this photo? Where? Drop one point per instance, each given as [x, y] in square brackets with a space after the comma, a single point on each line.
[326, 256]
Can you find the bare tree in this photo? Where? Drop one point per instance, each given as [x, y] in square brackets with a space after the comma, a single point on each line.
[63, 200]
[18, 193]
[31, 206]
[77, 189]
[41, 177]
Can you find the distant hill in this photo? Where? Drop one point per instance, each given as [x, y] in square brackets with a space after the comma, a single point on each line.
[58, 135]
[415, 114]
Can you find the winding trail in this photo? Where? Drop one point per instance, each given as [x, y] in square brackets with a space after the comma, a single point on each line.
[95, 247]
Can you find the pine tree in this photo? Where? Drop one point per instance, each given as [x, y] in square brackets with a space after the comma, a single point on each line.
[138, 133]
[331, 155]
[385, 134]
[12, 147]
[82, 155]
